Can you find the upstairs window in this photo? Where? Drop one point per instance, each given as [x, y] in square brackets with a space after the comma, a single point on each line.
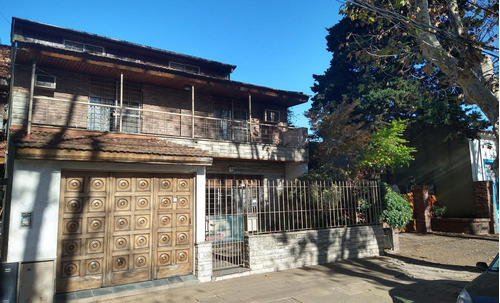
[184, 67]
[232, 125]
[104, 108]
[272, 116]
[83, 47]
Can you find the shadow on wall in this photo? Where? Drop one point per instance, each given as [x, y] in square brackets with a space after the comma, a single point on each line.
[304, 248]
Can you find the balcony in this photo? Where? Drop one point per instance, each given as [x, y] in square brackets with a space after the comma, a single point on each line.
[134, 118]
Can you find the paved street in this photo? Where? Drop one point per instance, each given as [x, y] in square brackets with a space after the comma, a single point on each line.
[409, 276]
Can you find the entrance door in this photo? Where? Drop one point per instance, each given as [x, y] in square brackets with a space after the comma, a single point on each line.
[123, 228]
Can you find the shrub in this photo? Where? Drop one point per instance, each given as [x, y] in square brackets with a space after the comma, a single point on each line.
[438, 211]
[396, 210]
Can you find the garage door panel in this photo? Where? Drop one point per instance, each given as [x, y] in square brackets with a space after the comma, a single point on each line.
[174, 262]
[142, 241]
[123, 228]
[183, 185]
[164, 220]
[75, 185]
[164, 239]
[98, 184]
[142, 222]
[96, 204]
[95, 245]
[183, 220]
[165, 202]
[123, 203]
[96, 224]
[121, 223]
[72, 247]
[182, 238]
[82, 230]
[143, 203]
[73, 205]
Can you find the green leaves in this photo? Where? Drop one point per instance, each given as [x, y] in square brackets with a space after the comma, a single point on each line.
[396, 210]
[387, 147]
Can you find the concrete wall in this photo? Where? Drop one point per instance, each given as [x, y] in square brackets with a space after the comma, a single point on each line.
[273, 252]
[445, 167]
[35, 190]
[248, 151]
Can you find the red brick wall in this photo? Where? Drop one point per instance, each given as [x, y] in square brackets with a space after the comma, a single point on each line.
[482, 199]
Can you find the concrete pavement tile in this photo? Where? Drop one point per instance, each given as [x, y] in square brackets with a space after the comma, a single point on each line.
[285, 300]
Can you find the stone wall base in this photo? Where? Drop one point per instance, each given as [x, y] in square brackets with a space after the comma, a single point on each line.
[204, 261]
[272, 252]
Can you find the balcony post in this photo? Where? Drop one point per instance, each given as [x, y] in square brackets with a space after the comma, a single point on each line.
[250, 117]
[121, 101]
[192, 111]
[232, 123]
[30, 105]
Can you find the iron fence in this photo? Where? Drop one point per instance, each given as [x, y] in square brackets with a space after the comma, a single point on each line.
[281, 206]
[253, 207]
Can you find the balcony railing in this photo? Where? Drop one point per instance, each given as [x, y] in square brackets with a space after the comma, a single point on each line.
[106, 117]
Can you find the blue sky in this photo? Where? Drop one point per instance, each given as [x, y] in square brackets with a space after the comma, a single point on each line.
[274, 43]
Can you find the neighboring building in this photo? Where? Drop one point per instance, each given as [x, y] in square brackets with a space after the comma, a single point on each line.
[483, 152]
[451, 170]
[111, 146]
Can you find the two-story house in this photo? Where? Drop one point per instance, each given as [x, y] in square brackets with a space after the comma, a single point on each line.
[111, 145]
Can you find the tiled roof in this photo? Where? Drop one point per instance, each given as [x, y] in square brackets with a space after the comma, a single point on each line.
[116, 143]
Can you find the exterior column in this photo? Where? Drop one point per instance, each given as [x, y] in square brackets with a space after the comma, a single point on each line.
[204, 261]
[203, 249]
[482, 199]
[421, 208]
[200, 197]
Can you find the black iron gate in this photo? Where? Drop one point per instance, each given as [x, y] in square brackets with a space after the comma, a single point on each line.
[228, 217]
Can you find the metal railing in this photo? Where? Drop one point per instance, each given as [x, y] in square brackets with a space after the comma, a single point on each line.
[77, 114]
[281, 206]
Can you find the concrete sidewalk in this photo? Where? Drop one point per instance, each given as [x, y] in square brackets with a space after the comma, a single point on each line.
[381, 279]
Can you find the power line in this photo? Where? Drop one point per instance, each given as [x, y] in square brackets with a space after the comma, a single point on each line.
[6, 19]
[405, 21]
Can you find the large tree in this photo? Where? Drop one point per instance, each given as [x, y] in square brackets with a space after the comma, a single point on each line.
[368, 86]
[459, 37]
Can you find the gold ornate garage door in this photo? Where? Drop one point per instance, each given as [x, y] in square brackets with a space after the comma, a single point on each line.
[123, 228]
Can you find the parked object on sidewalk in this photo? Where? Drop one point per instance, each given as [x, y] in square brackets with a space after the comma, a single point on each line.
[483, 288]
